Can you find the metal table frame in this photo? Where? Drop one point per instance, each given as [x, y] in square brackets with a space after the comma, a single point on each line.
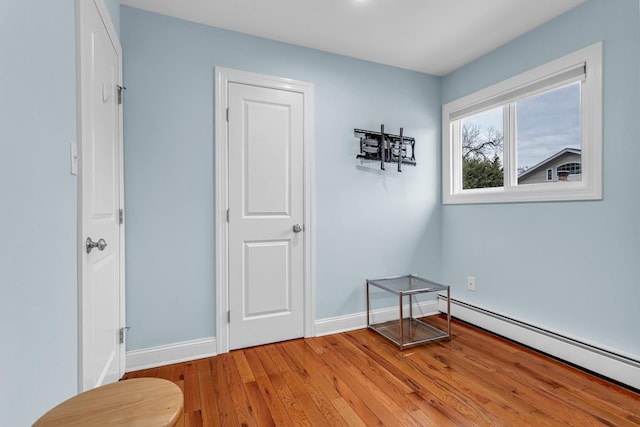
[418, 332]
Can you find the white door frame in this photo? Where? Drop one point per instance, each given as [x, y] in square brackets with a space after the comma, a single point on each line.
[80, 113]
[224, 76]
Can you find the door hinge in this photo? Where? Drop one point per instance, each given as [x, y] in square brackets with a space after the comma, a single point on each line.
[122, 331]
[229, 316]
[227, 215]
[227, 114]
[121, 216]
[120, 89]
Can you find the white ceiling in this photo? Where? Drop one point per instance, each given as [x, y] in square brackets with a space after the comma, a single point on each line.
[431, 36]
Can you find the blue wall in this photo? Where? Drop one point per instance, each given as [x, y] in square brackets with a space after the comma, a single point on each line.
[572, 267]
[390, 221]
[113, 7]
[38, 265]
[38, 296]
[516, 251]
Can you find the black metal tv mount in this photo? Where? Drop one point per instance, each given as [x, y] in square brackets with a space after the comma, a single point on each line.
[386, 147]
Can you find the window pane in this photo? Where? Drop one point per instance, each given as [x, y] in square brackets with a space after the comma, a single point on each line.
[548, 137]
[482, 147]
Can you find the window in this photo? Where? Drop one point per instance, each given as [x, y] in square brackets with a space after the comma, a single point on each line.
[528, 138]
[571, 168]
[482, 147]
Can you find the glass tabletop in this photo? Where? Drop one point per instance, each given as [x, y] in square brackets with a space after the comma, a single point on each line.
[407, 284]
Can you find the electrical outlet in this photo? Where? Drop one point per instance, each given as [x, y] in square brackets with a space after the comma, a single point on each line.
[471, 283]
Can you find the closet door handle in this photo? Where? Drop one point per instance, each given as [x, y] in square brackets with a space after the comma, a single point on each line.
[90, 244]
[297, 228]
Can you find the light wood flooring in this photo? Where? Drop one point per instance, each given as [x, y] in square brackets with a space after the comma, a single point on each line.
[359, 379]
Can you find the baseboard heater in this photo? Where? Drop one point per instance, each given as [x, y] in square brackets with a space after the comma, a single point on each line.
[619, 367]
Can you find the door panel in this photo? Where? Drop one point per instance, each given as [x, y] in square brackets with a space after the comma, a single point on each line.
[266, 262]
[99, 120]
[103, 299]
[267, 151]
[265, 202]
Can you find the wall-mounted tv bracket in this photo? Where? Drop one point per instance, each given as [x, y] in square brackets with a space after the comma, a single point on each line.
[386, 147]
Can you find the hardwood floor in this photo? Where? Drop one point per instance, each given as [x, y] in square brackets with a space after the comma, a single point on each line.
[358, 379]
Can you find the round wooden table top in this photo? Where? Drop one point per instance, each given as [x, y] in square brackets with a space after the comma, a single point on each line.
[134, 402]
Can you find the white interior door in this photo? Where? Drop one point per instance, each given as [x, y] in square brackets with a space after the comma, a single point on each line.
[101, 289]
[266, 213]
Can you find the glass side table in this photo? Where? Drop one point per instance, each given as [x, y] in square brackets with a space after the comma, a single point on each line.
[409, 331]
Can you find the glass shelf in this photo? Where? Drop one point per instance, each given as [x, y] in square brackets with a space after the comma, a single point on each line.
[408, 331]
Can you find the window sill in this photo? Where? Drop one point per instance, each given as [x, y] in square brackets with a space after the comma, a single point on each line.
[532, 193]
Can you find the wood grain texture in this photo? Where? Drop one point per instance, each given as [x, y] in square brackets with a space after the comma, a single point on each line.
[139, 401]
[359, 379]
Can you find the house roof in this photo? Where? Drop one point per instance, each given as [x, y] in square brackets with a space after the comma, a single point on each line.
[551, 159]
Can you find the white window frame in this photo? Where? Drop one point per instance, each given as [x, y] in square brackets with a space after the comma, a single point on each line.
[537, 80]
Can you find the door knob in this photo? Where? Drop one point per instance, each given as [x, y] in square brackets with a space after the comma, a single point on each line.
[100, 244]
[297, 228]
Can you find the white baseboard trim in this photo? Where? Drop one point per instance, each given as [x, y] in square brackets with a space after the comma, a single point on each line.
[621, 367]
[167, 354]
[350, 322]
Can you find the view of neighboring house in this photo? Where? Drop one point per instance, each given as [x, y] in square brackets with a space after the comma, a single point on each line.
[496, 247]
[565, 165]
